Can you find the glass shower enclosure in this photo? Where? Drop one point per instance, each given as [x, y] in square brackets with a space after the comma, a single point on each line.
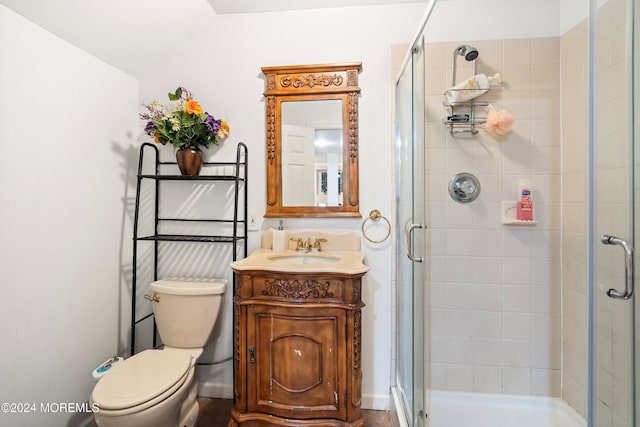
[410, 217]
[613, 200]
[599, 196]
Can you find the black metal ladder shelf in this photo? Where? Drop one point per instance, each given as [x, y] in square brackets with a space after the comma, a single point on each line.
[238, 223]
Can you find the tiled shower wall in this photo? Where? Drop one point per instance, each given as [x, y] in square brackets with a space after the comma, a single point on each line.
[495, 318]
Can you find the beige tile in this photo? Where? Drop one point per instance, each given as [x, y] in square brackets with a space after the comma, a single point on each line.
[452, 350]
[546, 382]
[517, 77]
[546, 271]
[549, 219]
[518, 103]
[574, 159]
[436, 53]
[488, 270]
[487, 352]
[546, 299]
[517, 353]
[459, 377]
[490, 56]
[517, 156]
[546, 160]
[517, 326]
[517, 52]
[517, 298]
[487, 379]
[546, 327]
[516, 380]
[545, 133]
[545, 104]
[546, 187]
[436, 81]
[545, 76]
[545, 50]
[488, 298]
[517, 242]
[487, 325]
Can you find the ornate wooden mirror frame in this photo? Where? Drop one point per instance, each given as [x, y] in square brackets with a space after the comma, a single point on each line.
[312, 83]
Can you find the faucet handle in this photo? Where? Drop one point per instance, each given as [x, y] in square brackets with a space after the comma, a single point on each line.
[316, 245]
[299, 243]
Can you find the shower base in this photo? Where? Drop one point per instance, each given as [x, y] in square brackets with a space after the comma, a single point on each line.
[449, 409]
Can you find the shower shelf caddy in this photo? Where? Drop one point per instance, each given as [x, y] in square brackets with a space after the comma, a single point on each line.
[167, 171]
[462, 117]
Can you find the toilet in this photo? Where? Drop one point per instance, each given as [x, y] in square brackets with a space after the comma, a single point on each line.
[158, 388]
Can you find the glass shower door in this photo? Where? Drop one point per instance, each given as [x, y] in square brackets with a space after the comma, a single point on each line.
[410, 194]
[613, 225]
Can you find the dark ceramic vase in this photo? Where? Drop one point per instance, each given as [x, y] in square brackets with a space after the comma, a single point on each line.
[189, 161]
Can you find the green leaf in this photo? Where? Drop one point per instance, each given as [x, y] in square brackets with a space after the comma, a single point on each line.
[177, 95]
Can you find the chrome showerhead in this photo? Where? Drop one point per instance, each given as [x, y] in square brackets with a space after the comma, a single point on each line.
[470, 53]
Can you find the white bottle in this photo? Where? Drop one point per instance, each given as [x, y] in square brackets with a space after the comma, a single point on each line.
[279, 239]
[473, 87]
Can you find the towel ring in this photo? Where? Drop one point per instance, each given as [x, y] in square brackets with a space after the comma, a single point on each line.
[375, 215]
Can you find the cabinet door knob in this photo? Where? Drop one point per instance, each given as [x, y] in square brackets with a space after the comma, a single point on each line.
[252, 355]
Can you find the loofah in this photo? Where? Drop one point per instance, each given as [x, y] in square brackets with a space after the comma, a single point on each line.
[499, 122]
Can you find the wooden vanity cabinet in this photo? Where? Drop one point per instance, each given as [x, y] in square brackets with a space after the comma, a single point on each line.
[297, 349]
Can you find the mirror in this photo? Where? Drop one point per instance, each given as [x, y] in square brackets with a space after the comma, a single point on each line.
[312, 140]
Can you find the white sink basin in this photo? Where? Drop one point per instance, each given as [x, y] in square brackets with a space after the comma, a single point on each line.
[303, 259]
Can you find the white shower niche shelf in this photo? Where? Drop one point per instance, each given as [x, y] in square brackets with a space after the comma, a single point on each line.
[509, 215]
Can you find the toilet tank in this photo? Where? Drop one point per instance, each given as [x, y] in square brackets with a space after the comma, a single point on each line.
[186, 310]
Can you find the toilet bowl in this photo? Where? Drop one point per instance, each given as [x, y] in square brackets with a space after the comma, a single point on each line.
[158, 388]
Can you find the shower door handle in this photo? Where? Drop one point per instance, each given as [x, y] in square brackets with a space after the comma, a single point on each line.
[409, 234]
[629, 266]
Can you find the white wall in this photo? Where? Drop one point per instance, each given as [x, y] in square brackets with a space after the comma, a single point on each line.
[493, 19]
[221, 66]
[67, 122]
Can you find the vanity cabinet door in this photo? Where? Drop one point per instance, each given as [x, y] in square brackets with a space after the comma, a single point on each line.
[299, 369]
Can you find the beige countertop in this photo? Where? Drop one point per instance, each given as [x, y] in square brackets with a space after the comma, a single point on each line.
[346, 262]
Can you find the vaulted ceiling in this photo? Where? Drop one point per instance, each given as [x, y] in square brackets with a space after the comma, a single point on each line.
[132, 35]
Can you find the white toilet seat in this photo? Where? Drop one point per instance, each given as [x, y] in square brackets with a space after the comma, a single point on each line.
[142, 381]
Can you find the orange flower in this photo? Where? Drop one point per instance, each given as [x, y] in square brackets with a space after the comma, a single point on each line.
[223, 132]
[193, 107]
[156, 139]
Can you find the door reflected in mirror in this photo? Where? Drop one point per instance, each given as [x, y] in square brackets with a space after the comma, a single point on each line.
[312, 147]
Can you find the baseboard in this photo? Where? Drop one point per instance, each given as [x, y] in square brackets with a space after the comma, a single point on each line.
[215, 390]
[380, 402]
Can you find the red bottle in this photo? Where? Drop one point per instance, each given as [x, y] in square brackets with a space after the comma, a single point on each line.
[524, 206]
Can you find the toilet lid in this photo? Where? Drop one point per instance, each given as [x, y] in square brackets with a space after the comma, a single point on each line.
[141, 378]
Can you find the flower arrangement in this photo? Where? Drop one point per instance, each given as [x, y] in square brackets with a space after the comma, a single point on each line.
[184, 124]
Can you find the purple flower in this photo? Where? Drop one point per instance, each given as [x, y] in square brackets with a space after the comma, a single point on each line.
[150, 128]
[212, 124]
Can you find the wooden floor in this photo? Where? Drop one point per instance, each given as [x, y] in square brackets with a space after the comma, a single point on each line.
[215, 413]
